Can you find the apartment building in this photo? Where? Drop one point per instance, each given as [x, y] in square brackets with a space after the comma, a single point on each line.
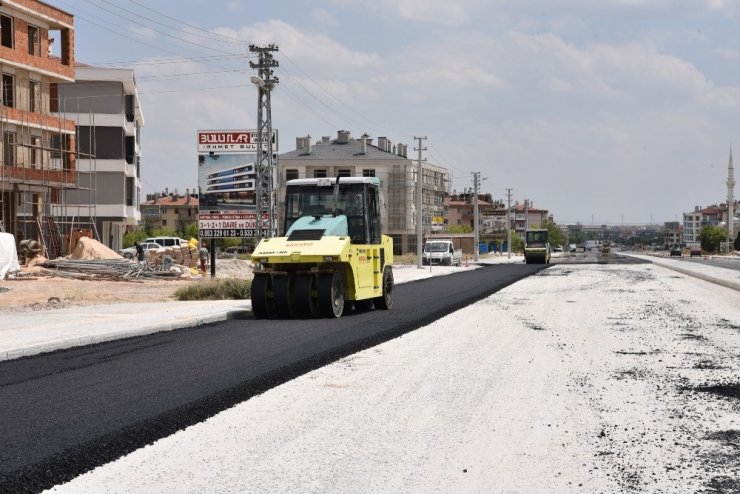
[38, 149]
[170, 210]
[104, 103]
[346, 156]
[695, 220]
[526, 216]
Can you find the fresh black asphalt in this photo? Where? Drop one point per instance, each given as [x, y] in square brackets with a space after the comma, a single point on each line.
[65, 412]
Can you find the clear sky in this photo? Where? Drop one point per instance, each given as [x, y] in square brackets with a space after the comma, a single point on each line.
[603, 111]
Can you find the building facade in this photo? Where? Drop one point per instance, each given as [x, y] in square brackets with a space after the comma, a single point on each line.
[526, 216]
[170, 210]
[38, 148]
[346, 156]
[104, 103]
[695, 220]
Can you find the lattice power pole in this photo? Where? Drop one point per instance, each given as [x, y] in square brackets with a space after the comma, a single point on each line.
[265, 166]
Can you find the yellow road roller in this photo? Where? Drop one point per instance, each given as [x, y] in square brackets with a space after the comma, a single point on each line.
[332, 257]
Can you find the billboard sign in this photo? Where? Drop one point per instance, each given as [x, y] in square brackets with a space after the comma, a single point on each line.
[231, 141]
[227, 183]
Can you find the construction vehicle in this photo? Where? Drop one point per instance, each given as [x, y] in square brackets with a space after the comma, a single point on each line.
[536, 246]
[332, 255]
[606, 247]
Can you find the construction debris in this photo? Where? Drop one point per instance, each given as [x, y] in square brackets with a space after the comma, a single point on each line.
[89, 248]
[107, 269]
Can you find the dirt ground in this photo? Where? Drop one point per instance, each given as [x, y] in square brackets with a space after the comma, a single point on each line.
[38, 291]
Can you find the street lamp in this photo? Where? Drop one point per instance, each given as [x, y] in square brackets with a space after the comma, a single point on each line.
[257, 81]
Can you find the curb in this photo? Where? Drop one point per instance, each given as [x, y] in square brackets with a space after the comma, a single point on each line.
[734, 285]
[182, 323]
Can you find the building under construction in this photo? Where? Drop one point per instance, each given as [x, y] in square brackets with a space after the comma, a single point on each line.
[70, 135]
[38, 144]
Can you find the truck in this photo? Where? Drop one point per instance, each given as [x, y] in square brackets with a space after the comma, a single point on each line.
[442, 252]
[536, 246]
[331, 257]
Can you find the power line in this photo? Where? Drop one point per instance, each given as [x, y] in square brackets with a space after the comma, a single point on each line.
[226, 38]
[155, 30]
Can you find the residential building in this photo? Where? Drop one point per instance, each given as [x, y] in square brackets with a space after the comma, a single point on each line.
[527, 216]
[104, 103]
[38, 148]
[672, 233]
[695, 220]
[346, 156]
[170, 210]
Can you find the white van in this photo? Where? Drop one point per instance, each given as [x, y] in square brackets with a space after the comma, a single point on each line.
[167, 241]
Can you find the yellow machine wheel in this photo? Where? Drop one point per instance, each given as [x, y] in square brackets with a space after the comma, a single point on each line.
[385, 302]
[305, 296]
[331, 294]
[262, 306]
[282, 289]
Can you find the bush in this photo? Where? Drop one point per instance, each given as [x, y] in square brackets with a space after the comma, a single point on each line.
[218, 289]
[133, 236]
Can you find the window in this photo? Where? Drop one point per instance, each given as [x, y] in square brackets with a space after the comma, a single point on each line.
[129, 191]
[8, 90]
[6, 31]
[130, 149]
[319, 174]
[291, 174]
[34, 95]
[164, 222]
[368, 173]
[35, 150]
[130, 108]
[9, 149]
[33, 41]
[344, 172]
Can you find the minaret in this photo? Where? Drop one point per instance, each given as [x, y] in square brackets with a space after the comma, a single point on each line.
[730, 203]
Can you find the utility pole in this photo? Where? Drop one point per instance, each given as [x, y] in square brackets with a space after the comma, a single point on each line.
[508, 223]
[526, 215]
[476, 229]
[419, 215]
[730, 204]
[265, 165]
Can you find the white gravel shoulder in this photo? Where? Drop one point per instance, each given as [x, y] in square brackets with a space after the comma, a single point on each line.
[574, 380]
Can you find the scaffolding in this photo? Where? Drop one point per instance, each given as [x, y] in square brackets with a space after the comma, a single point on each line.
[35, 168]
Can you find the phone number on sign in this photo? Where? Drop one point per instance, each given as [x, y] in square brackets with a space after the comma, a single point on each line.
[224, 233]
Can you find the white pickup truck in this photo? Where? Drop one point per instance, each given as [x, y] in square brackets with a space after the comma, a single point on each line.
[441, 252]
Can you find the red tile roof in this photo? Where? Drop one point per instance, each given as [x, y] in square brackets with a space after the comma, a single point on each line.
[171, 201]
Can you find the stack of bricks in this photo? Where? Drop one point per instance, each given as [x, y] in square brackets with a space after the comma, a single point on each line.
[183, 256]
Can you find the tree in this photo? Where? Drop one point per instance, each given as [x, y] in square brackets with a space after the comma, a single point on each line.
[134, 236]
[711, 237]
[517, 244]
[459, 229]
[555, 234]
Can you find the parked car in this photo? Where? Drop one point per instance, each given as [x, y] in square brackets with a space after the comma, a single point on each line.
[130, 252]
[167, 241]
[675, 251]
[695, 251]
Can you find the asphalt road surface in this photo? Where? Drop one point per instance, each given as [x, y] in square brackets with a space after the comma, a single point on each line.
[66, 412]
[720, 263]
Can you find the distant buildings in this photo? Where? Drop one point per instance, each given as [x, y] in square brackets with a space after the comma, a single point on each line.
[170, 210]
[346, 156]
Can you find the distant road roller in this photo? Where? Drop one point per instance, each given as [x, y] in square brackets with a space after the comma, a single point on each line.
[332, 256]
[537, 246]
